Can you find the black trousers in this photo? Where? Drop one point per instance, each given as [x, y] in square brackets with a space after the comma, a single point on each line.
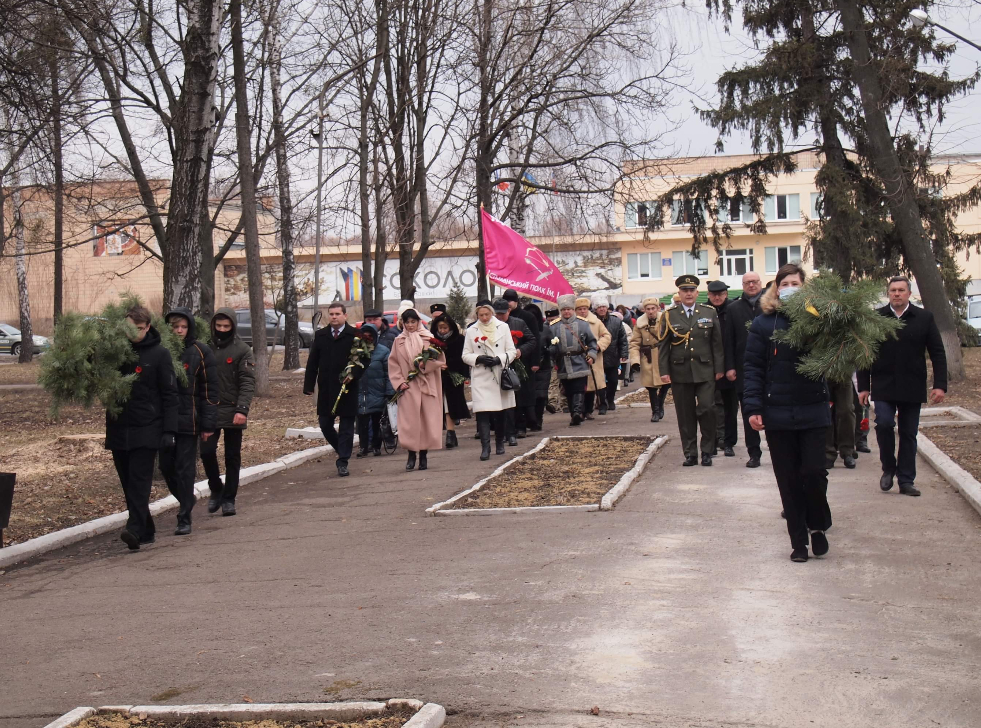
[798, 464]
[178, 467]
[908, 415]
[751, 436]
[573, 386]
[840, 437]
[694, 404]
[612, 379]
[135, 470]
[342, 439]
[657, 395]
[369, 430]
[233, 463]
[726, 416]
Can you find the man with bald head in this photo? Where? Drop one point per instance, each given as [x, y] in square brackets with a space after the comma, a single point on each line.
[743, 309]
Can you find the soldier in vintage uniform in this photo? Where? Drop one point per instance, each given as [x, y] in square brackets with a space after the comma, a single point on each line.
[691, 358]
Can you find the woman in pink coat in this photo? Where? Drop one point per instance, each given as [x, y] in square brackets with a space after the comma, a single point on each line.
[421, 402]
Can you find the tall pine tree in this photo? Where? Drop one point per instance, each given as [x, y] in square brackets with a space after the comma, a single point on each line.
[808, 79]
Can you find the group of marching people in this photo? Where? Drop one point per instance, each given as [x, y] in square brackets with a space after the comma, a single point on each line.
[173, 416]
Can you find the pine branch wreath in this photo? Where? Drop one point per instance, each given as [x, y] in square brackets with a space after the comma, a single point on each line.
[85, 361]
[836, 326]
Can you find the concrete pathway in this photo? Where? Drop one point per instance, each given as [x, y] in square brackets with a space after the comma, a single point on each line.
[679, 608]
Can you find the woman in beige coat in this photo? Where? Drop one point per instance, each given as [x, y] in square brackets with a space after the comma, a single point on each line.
[596, 381]
[421, 402]
[643, 356]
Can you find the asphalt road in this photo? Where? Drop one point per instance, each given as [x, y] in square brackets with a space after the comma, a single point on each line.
[679, 608]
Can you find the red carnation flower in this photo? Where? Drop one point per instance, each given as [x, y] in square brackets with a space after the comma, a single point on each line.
[437, 343]
[186, 365]
[228, 360]
[139, 370]
[517, 335]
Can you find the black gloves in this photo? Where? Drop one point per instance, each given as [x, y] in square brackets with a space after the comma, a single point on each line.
[488, 361]
[167, 442]
[635, 367]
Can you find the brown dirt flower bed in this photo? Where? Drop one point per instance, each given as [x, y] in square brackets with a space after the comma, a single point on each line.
[960, 444]
[118, 720]
[569, 472]
[64, 480]
[640, 397]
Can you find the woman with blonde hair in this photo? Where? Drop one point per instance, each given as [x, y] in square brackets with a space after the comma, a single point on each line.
[487, 350]
[421, 398]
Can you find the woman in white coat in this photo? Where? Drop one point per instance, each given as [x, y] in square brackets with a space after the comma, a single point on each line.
[487, 349]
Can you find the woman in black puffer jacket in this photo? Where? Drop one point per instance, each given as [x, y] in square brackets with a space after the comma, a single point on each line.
[793, 411]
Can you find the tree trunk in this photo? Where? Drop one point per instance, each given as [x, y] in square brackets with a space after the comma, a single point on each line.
[381, 239]
[483, 174]
[193, 129]
[23, 297]
[247, 186]
[57, 159]
[206, 242]
[371, 299]
[917, 249]
[291, 336]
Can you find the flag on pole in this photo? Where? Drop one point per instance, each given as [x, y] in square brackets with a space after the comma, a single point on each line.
[515, 263]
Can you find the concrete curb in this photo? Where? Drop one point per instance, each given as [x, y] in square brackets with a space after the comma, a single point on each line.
[67, 536]
[606, 502]
[950, 471]
[430, 715]
[617, 491]
[434, 509]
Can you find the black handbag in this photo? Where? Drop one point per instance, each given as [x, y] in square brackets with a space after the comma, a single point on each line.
[509, 379]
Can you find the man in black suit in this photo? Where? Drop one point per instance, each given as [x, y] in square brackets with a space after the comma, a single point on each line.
[329, 354]
[738, 314]
[897, 383]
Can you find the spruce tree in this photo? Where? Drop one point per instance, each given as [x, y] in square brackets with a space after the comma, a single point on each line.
[804, 81]
[458, 304]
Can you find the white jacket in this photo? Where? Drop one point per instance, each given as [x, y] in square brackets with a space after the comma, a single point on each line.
[485, 382]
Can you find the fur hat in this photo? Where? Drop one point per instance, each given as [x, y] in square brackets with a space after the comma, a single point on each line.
[600, 299]
[567, 301]
[649, 301]
[583, 301]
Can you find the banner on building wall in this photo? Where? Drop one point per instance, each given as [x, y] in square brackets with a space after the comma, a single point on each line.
[590, 270]
[111, 240]
[515, 263]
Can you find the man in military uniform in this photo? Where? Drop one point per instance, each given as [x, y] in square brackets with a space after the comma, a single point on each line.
[691, 359]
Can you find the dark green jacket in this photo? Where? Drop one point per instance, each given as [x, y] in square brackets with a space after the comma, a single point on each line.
[236, 373]
[691, 349]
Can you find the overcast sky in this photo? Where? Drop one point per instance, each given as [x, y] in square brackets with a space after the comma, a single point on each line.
[712, 51]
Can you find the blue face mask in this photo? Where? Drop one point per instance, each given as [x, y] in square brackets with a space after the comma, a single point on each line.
[787, 292]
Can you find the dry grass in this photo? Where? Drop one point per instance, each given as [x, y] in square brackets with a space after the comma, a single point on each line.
[119, 720]
[11, 372]
[966, 393]
[962, 444]
[563, 473]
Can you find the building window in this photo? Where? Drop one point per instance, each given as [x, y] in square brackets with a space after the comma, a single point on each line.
[736, 262]
[778, 256]
[682, 262]
[682, 212]
[643, 266]
[782, 207]
[638, 214]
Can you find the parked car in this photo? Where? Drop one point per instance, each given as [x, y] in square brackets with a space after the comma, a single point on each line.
[974, 311]
[10, 341]
[275, 326]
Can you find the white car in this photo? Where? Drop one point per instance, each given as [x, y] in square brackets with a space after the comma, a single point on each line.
[974, 311]
[10, 341]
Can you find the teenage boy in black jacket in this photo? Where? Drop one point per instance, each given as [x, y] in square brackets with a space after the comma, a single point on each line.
[897, 381]
[147, 423]
[197, 415]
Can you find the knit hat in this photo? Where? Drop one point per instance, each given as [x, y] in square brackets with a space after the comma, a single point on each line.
[567, 301]
[510, 295]
[582, 302]
[403, 307]
[600, 299]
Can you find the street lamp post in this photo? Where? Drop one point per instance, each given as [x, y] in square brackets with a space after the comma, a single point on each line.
[919, 18]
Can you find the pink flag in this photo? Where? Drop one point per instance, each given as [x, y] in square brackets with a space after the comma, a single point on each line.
[515, 263]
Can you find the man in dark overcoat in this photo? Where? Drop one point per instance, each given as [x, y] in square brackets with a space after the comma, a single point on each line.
[329, 354]
[897, 382]
[739, 314]
[726, 397]
[526, 344]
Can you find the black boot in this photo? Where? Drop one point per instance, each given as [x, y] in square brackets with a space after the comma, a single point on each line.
[576, 407]
[499, 442]
[410, 464]
[601, 401]
[423, 463]
[483, 432]
[183, 526]
[451, 440]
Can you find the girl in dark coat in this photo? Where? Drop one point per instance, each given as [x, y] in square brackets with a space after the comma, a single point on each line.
[374, 391]
[793, 411]
[454, 398]
[147, 423]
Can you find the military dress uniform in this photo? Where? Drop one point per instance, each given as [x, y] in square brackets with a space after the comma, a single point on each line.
[690, 351]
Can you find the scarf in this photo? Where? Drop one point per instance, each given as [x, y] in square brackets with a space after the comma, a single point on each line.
[414, 343]
[489, 330]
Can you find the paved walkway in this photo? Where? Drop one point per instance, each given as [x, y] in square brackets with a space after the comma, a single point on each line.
[679, 608]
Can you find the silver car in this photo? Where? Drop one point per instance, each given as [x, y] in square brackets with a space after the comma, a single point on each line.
[10, 341]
